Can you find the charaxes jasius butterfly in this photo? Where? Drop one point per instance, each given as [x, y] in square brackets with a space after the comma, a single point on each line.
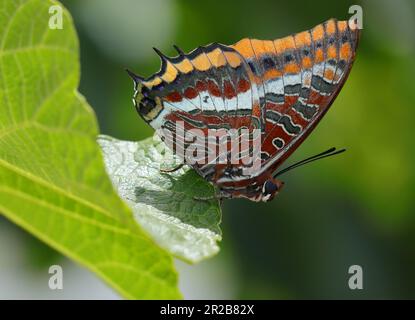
[282, 88]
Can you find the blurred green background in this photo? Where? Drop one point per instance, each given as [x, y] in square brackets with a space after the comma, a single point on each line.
[357, 208]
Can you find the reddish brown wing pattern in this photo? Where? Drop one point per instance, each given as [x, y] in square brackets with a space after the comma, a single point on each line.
[283, 87]
[208, 88]
[308, 69]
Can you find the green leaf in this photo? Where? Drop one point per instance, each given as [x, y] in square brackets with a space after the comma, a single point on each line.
[164, 203]
[52, 178]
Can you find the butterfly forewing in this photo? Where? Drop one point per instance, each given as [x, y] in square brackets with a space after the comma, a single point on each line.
[306, 73]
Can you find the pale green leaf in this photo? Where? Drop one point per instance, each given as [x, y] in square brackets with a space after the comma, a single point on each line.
[52, 177]
[164, 203]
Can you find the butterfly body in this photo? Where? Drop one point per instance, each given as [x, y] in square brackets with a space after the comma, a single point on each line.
[273, 91]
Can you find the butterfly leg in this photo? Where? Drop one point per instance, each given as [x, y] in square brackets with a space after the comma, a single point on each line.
[217, 196]
[170, 170]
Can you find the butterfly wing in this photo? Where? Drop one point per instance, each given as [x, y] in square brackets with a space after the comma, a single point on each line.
[281, 87]
[301, 76]
[208, 89]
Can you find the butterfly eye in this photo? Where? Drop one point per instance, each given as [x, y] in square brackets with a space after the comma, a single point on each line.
[269, 187]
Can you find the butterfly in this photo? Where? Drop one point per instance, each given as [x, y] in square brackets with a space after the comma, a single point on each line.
[278, 89]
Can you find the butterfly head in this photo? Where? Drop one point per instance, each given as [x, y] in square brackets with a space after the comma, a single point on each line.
[147, 104]
[271, 188]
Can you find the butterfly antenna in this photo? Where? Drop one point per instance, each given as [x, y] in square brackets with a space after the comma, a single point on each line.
[328, 153]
